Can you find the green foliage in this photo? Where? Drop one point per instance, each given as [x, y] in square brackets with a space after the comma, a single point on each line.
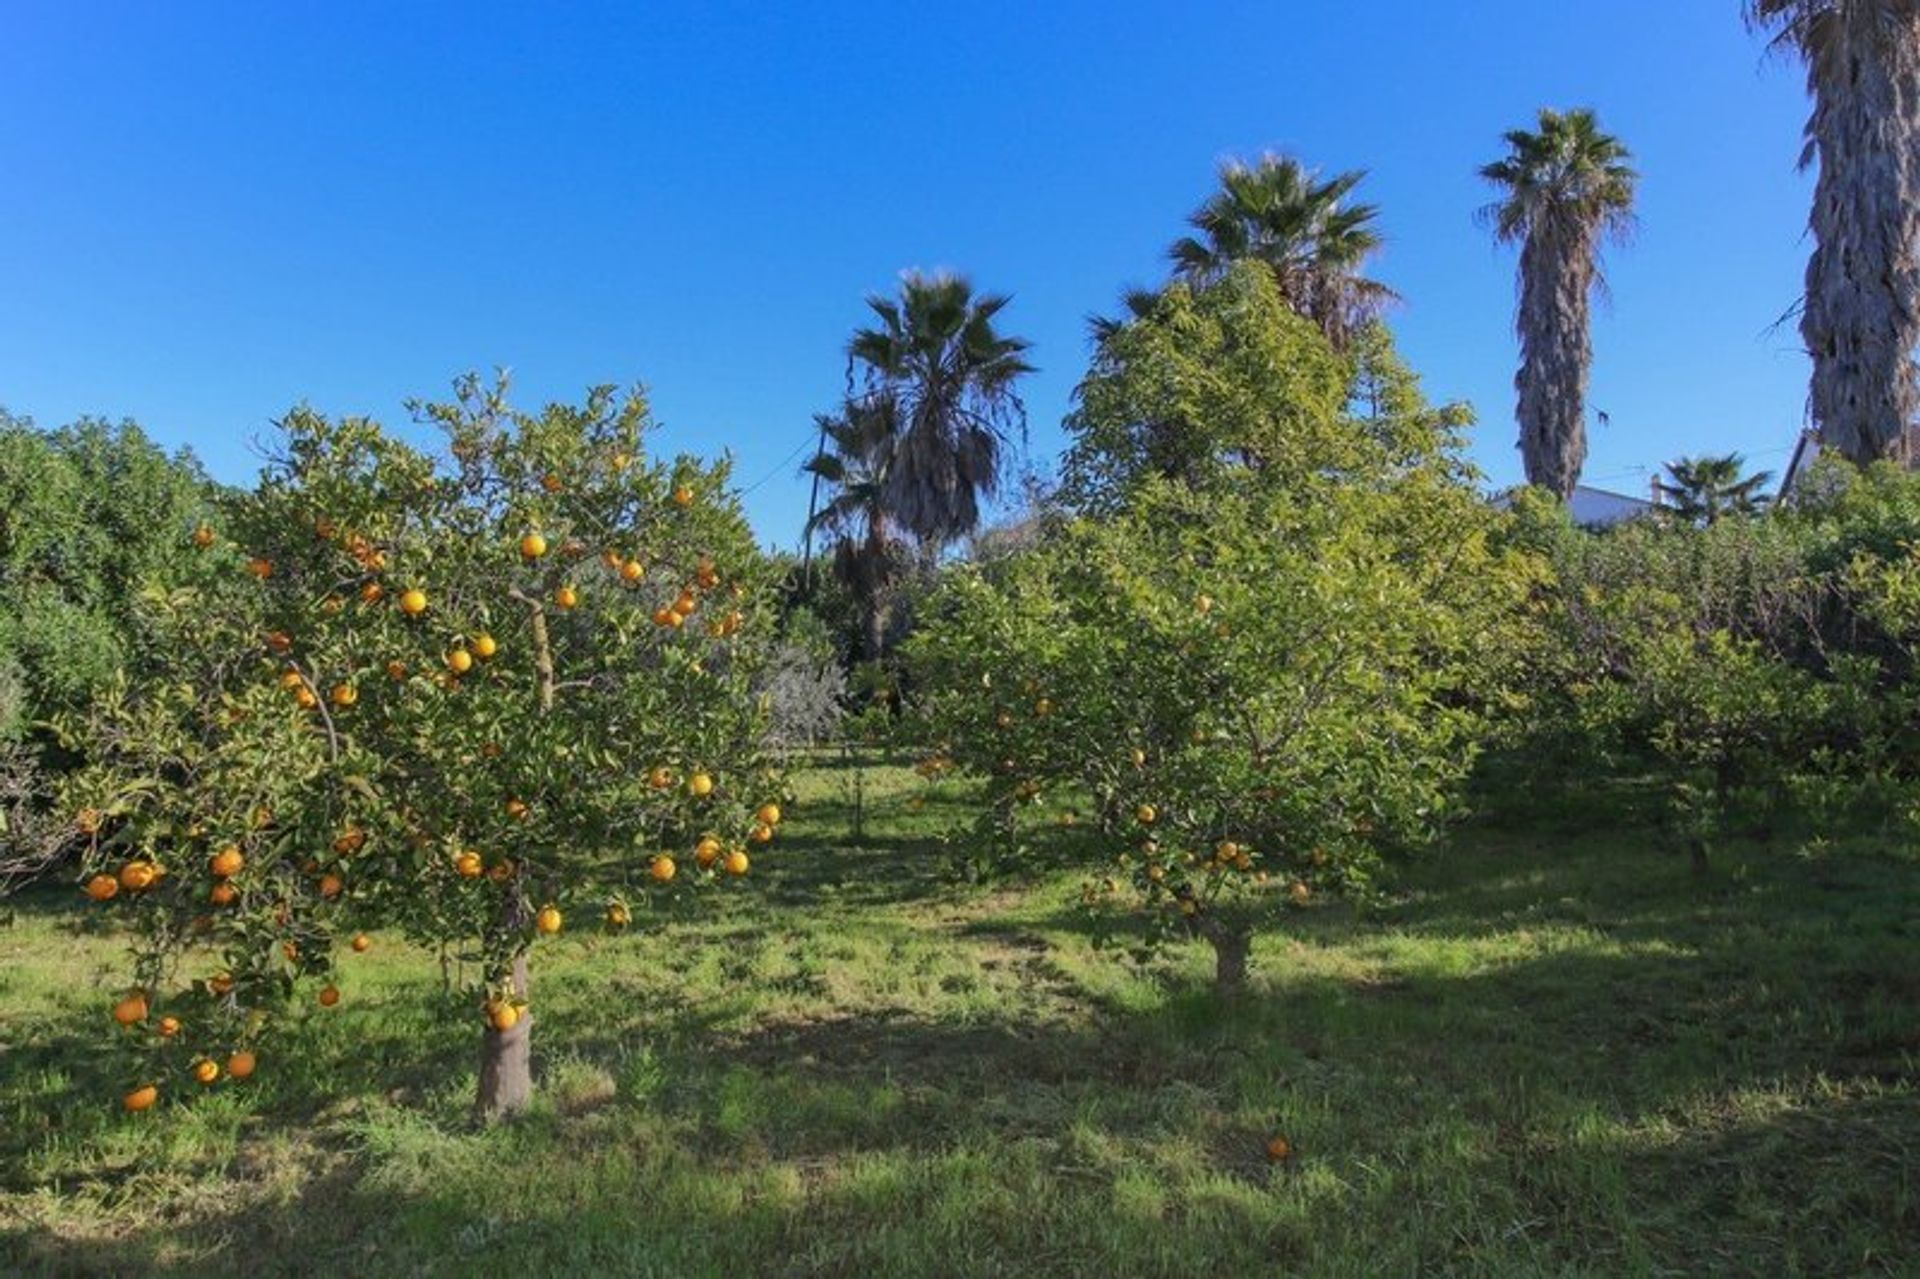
[1262, 670]
[388, 676]
[89, 514]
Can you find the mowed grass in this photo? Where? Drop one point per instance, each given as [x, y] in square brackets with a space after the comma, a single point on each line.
[1550, 1051]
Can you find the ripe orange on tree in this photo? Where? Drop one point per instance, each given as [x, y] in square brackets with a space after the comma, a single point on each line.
[240, 1065]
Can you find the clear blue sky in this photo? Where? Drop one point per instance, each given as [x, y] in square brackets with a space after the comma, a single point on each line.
[215, 211]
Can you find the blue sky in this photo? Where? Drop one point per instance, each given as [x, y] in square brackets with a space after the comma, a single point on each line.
[215, 211]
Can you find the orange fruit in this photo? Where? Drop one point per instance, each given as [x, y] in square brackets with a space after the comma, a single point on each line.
[707, 851]
[169, 1027]
[203, 537]
[700, 785]
[280, 642]
[227, 863]
[468, 864]
[664, 616]
[360, 943]
[761, 834]
[769, 815]
[566, 597]
[206, 1070]
[518, 810]
[260, 568]
[502, 1016]
[372, 593]
[240, 1065]
[396, 670]
[737, 863]
[1299, 891]
[413, 602]
[291, 951]
[349, 841]
[632, 571]
[484, 646]
[532, 546]
[550, 482]
[548, 920]
[662, 869]
[102, 887]
[612, 559]
[459, 661]
[659, 777]
[618, 916]
[220, 983]
[502, 871]
[305, 699]
[292, 679]
[1147, 814]
[682, 496]
[329, 995]
[344, 695]
[1279, 1149]
[1139, 758]
[330, 886]
[223, 894]
[136, 875]
[141, 1098]
[685, 604]
[131, 1010]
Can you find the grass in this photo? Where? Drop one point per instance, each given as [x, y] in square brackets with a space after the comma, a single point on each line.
[1550, 1051]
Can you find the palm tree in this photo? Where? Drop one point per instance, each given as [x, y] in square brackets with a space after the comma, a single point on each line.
[867, 549]
[1861, 318]
[1704, 490]
[1565, 189]
[1280, 212]
[939, 370]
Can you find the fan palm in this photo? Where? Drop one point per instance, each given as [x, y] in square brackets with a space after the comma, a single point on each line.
[867, 552]
[1565, 189]
[948, 380]
[1861, 318]
[1704, 490]
[1279, 212]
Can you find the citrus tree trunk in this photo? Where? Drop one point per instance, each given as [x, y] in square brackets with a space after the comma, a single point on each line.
[1232, 948]
[506, 1059]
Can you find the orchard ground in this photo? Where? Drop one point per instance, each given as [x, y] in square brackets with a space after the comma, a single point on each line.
[1550, 1050]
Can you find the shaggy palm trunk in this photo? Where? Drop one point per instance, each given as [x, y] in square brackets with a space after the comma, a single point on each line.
[506, 1059]
[1557, 269]
[1862, 318]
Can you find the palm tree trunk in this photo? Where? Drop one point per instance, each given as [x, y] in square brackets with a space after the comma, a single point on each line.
[1862, 318]
[1556, 356]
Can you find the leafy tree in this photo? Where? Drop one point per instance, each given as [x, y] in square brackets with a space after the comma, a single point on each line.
[1301, 227]
[1265, 670]
[466, 701]
[943, 375]
[1564, 190]
[1861, 317]
[1703, 490]
[88, 516]
[1213, 378]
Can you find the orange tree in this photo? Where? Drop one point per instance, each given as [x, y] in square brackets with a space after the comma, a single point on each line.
[1264, 642]
[474, 700]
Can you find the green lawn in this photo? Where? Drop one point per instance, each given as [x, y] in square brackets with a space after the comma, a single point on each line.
[1550, 1052]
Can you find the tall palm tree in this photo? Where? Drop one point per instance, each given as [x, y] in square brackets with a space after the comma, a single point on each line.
[1282, 213]
[1705, 490]
[867, 551]
[1564, 190]
[1861, 319]
[946, 378]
